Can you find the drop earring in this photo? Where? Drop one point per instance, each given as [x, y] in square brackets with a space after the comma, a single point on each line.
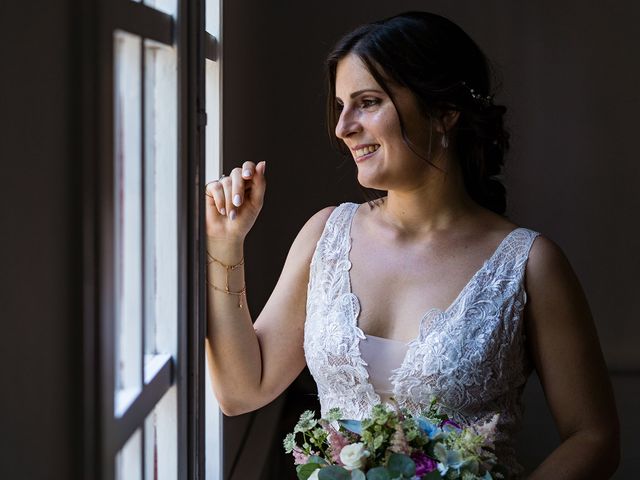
[444, 141]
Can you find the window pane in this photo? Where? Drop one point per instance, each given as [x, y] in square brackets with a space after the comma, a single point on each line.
[212, 17]
[212, 146]
[128, 219]
[129, 459]
[166, 6]
[161, 439]
[161, 201]
[213, 415]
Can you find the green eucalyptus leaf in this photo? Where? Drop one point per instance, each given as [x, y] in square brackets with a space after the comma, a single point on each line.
[378, 473]
[317, 459]
[401, 465]
[357, 475]
[305, 471]
[334, 472]
[434, 475]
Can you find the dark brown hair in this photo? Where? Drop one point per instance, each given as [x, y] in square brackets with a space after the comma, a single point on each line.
[435, 59]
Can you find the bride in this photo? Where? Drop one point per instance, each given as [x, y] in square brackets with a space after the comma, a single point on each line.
[427, 290]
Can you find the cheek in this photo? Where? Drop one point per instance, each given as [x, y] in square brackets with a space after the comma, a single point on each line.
[388, 125]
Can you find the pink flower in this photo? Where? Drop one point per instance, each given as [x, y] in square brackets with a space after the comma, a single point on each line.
[337, 441]
[299, 458]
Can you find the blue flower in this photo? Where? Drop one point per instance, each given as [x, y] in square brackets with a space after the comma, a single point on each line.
[429, 428]
[354, 426]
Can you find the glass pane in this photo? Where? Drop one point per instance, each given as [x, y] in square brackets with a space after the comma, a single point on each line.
[213, 415]
[166, 6]
[212, 145]
[161, 201]
[213, 431]
[128, 219]
[161, 439]
[129, 459]
[212, 17]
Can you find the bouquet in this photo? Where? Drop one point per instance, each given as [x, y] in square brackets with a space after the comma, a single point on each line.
[393, 445]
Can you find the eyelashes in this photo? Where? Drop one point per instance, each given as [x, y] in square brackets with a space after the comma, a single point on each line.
[369, 102]
[364, 103]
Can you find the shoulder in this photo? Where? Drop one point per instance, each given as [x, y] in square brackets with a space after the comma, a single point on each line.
[314, 227]
[305, 242]
[546, 261]
[553, 288]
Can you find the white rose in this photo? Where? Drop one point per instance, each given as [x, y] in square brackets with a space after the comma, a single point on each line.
[353, 456]
[314, 475]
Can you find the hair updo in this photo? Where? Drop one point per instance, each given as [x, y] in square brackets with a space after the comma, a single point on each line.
[445, 69]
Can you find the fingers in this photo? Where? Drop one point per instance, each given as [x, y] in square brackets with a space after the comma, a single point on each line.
[248, 169]
[244, 184]
[215, 196]
[234, 191]
[258, 186]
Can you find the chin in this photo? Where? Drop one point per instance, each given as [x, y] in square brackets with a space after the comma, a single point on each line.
[375, 186]
[368, 182]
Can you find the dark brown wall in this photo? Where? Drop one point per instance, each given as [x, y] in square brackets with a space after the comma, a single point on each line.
[39, 253]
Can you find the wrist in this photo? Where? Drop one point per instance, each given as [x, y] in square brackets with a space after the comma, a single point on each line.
[229, 251]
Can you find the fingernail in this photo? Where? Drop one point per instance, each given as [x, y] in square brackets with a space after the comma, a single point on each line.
[223, 211]
[264, 167]
[236, 200]
[232, 214]
[247, 173]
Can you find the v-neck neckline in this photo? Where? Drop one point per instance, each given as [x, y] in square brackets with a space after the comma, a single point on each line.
[433, 310]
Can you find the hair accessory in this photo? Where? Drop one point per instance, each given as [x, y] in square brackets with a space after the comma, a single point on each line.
[226, 289]
[484, 100]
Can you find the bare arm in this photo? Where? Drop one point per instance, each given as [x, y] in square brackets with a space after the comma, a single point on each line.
[251, 364]
[569, 361]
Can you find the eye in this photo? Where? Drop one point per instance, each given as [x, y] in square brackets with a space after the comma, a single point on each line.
[369, 102]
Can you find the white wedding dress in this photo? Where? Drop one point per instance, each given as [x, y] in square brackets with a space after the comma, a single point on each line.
[471, 356]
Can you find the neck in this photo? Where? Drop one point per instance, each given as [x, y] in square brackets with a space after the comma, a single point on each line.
[435, 205]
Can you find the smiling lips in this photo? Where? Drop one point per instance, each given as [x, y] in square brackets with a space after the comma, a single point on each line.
[365, 150]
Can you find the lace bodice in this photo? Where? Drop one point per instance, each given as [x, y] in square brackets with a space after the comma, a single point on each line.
[471, 355]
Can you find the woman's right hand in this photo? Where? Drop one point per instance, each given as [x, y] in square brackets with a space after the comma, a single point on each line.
[229, 220]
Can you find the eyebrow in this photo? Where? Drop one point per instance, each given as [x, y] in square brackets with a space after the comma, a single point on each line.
[360, 92]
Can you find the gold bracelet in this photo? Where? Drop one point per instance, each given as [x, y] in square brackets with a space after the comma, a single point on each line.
[244, 289]
[227, 267]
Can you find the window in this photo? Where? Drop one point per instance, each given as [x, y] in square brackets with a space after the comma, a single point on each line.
[213, 169]
[144, 343]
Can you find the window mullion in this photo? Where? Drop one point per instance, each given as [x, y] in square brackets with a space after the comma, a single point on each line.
[144, 21]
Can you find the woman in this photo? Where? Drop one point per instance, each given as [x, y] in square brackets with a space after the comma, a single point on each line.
[410, 100]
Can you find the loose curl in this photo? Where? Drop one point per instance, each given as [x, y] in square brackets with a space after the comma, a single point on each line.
[437, 61]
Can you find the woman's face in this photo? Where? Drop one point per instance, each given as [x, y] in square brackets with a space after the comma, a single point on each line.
[370, 127]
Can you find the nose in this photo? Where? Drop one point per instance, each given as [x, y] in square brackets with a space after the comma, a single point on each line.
[347, 124]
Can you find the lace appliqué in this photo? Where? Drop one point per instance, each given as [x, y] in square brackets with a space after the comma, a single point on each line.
[472, 355]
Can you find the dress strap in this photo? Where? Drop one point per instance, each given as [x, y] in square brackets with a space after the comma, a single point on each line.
[334, 242]
[512, 260]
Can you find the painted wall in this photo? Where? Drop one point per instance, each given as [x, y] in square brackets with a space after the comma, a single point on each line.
[39, 244]
[570, 81]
